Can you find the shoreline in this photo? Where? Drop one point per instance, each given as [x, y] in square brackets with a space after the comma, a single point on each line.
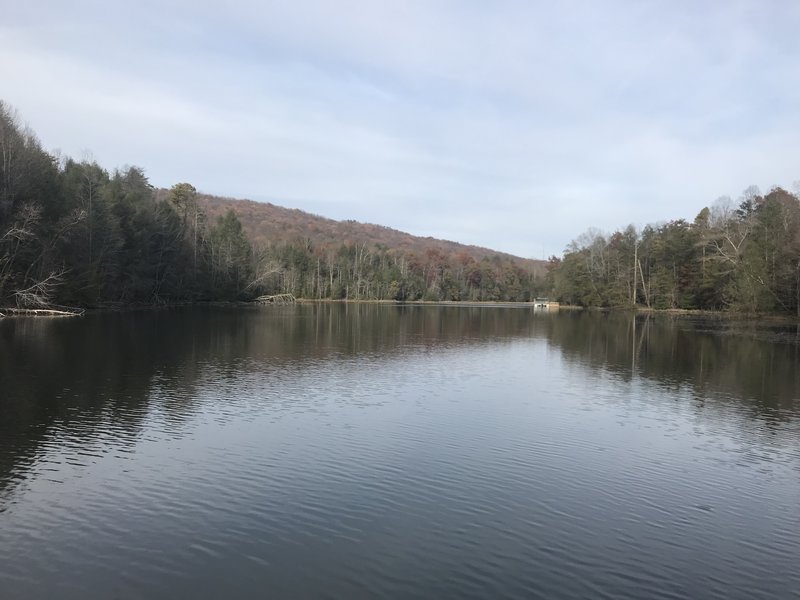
[62, 311]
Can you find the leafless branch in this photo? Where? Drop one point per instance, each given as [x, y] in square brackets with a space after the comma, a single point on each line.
[39, 294]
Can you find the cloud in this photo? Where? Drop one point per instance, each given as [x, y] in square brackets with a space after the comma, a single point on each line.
[512, 125]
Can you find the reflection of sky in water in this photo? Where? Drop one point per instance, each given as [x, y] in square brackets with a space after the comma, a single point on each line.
[460, 453]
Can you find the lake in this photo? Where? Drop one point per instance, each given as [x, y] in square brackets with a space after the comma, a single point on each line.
[380, 451]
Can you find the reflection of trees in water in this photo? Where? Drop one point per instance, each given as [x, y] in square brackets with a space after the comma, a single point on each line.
[714, 356]
[83, 378]
[79, 379]
[741, 382]
[288, 334]
[88, 380]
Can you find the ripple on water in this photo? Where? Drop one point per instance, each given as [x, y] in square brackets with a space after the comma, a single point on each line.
[482, 469]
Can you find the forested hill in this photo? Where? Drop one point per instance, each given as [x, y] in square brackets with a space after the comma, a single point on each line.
[74, 233]
[319, 257]
[267, 224]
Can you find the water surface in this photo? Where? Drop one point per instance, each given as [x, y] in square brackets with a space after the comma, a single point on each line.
[334, 451]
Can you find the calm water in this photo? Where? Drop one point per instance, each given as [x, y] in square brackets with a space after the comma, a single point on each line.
[398, 452]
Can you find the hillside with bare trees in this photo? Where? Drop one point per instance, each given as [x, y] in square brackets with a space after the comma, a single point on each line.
[73, 233]
[266, 224]
[363, 260]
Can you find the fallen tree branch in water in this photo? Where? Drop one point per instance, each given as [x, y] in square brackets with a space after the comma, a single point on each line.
[42, 312]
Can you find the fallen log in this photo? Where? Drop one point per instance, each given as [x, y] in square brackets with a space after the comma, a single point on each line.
[42, 312]
[276, 299]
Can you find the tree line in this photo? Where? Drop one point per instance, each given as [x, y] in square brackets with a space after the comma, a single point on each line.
[376, 272]
[73, 233]
[742, 256]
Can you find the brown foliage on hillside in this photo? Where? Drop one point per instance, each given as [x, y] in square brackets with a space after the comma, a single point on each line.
[267, 225]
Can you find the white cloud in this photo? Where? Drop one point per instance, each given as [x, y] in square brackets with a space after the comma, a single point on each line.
[513, 125]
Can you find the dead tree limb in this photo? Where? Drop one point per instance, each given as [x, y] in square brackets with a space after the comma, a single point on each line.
[38, 295]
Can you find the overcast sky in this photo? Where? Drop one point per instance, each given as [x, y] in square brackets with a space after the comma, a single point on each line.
[512, 125]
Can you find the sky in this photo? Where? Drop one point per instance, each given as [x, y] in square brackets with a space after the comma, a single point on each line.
[511, 125]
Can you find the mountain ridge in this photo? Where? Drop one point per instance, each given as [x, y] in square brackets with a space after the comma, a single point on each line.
[267, 224]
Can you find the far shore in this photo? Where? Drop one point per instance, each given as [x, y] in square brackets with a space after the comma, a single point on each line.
[58, 312]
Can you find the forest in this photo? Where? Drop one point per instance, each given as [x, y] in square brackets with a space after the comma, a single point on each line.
[739, 256]
[74, 234]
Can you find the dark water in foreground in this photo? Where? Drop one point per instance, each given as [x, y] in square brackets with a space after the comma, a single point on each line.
[397, 452]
